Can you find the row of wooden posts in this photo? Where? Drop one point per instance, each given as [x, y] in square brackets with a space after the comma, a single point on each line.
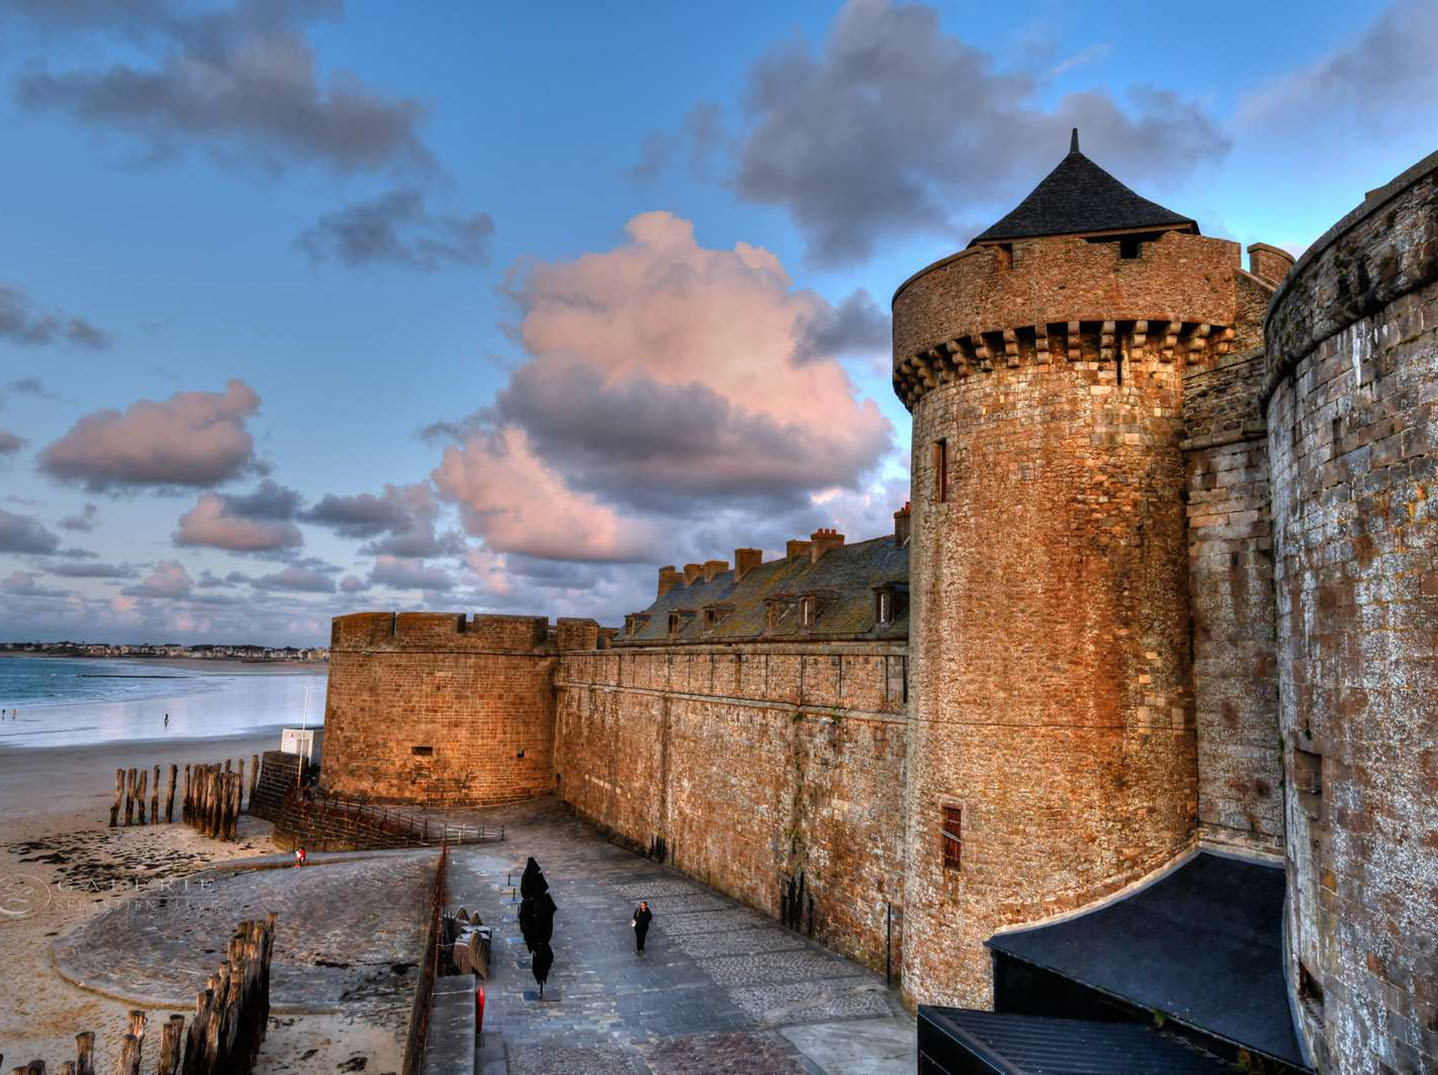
[224, 1036]
[212, 798]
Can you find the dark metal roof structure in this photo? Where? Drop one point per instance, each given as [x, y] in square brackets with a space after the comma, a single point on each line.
[1006, 1044]
[1203, 945]
[1080, 198]
[842, 584]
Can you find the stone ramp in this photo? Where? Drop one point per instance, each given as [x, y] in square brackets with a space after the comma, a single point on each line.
[348, 936]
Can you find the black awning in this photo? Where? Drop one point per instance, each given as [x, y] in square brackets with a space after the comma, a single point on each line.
[965, 1042]
[1203, 945]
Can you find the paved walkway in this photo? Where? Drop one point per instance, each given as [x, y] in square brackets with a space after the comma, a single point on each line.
[720, 988]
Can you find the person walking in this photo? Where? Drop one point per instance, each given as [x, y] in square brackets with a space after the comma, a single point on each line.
[167, 720]
[642, 917]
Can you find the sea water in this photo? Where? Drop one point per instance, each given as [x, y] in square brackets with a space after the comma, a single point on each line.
[63, 701]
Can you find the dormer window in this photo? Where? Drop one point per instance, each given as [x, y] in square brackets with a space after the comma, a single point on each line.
[713, 614]
[891, 601]
[808, 610]
[676, 621]
[774, 612]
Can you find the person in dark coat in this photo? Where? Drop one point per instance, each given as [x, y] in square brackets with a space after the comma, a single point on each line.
[532, 882]
[642, 917]
[540, 964]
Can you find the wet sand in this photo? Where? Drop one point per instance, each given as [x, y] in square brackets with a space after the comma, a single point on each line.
[61, 865]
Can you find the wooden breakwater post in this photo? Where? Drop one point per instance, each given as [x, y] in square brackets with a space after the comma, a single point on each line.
[254, 776]
[224, 1037]
[119, 794]
[212, 796]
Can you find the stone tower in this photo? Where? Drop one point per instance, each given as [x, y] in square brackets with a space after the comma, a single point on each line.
[1352, 354]
[1052, 758]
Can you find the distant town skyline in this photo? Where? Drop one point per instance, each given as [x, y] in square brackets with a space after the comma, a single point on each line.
[306, 309]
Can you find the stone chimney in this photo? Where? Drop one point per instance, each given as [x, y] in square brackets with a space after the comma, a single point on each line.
[668, 577]
[902, 518]
[714, 567]
[796, 550]
[692, 572]
[745, 561]
[821, 541]
[1269, 262]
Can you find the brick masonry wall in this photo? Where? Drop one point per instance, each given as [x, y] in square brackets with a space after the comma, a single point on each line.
[1230, 556]
[1061, 279]
[753, 763]
[1353, 369]
[1052, 695]
[439, 708]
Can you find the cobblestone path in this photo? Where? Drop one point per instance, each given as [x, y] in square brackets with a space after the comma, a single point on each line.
[719, 988]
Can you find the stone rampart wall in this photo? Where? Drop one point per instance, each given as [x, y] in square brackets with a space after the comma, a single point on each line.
[1230, 558]
[754, 765]
[1353, 442]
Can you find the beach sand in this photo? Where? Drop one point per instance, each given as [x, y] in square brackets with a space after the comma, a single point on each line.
[55, 805]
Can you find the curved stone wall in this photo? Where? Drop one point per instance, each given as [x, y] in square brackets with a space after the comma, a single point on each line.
[1353, 376]
[439, 708]
[1051, 694]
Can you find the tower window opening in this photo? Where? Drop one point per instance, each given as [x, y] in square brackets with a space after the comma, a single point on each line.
[1130, 248]
[422, 752]
[941, 471]
[953, 837]
[1118, 366]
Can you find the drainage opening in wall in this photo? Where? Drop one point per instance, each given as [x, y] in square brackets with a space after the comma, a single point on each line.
[422, 752]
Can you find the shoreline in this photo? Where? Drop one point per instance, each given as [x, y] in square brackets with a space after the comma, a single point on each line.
[55, 804]
[146, 743]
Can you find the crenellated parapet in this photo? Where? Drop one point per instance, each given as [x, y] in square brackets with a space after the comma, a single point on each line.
[1035, 302]
[455, 632]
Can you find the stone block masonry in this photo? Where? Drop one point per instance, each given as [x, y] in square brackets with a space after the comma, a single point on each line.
[1352, 365]
[756, 766]
[1230, 558]
[440, 708]
[1052, 757]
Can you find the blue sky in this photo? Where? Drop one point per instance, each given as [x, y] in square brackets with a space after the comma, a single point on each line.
[308, 307]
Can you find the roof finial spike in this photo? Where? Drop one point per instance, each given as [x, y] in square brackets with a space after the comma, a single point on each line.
[1073, 141]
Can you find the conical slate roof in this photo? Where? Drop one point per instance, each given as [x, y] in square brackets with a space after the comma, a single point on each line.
[1080, 198]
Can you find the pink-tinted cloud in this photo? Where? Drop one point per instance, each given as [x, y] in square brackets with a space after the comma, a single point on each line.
[195, 439]
[209, 523]
[517, 503]
[663, 378]
[168, 580]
